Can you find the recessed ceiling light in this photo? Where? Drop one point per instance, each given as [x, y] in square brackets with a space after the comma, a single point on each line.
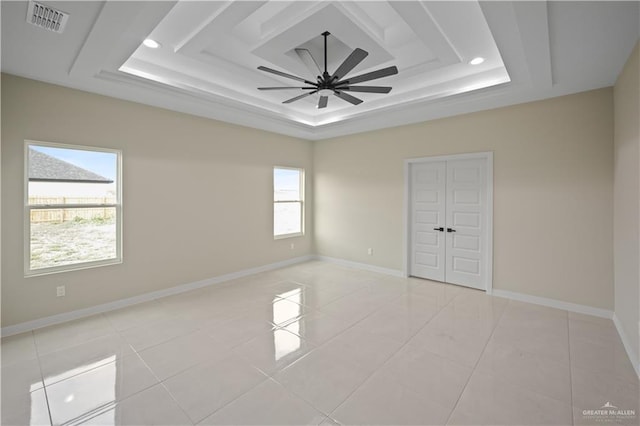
[151, 43]
[477, 60]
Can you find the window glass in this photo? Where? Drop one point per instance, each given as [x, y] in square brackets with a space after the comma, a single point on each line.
[286, 184]
[288, 211]
[73, 207]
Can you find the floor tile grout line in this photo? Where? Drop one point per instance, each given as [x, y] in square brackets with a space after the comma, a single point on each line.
[386, 304]
[44, 388]
[146, 324]
[88, 415]
[393, 298]
[546, 359]
[311, 404]
[85, 342]
[323, 344]
[177, 403]
[390, 356]
[228, 355]
[473, 370]
[295, 395]
[115, 332]
[64, 348]
[193, 331]
[536, 392]
[88, 370]
[317, 308]
[115, 402]
[334, 337]
[437, 312]
[203, 329]
[528, 352]
[231, 401]
[158, 381]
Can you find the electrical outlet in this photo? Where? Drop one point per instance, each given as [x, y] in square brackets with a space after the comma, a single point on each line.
[370, 251]
[60, 291]
[292, 246]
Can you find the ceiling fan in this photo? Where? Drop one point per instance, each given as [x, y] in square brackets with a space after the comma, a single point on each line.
[336, 83]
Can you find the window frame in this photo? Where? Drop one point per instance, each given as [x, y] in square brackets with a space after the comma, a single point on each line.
[28, 272]
[301, 183]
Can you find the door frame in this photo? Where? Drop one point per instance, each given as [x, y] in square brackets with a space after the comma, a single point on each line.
[488, 261]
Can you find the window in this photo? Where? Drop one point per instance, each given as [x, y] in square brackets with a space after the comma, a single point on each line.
[73, 210]
[288, 200]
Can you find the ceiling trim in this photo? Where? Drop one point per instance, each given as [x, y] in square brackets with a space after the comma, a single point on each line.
[543, 49]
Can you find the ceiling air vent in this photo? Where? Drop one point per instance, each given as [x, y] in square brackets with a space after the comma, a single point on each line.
[46, 17]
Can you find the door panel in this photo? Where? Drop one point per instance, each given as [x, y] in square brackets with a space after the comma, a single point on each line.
[465, 211]
[427, 185]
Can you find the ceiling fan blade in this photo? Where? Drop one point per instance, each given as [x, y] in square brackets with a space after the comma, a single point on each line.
[310, 62]
[288, 101]
[284, 74]
[350, 63]
[384, 72]
[347, 97]
[367, 89]
[322, 102]
[286, 87]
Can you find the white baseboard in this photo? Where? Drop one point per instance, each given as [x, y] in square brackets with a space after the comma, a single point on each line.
[552, 303]
[631, 351]
[568, 306]
[106, 307]
[365, 266]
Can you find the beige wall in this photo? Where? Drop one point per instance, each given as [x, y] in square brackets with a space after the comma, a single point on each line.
[553, 199]
[197, 196]
[627, 199]
[553, 180]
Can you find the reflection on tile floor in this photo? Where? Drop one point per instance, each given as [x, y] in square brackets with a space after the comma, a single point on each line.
[318, 343]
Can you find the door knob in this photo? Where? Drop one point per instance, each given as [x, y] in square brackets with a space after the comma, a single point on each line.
[441, 229]
[451, 230]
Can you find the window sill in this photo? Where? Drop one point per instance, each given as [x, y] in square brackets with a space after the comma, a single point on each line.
[284, 236]
[69, 268]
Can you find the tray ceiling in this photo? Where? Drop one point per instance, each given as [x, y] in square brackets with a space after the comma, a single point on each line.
[210, 50]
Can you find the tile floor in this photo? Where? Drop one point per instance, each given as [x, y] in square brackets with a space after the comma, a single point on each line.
[318, 343]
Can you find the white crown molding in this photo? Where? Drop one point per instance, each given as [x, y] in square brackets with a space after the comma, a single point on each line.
[111, 306]
[549, 49]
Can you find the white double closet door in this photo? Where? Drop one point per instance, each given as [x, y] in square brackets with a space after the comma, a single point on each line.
[448, 221]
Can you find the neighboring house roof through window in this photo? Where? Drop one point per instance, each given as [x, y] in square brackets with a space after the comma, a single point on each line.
[45, 168]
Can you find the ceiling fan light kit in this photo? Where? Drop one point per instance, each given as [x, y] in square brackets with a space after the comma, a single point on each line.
[336, 83]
